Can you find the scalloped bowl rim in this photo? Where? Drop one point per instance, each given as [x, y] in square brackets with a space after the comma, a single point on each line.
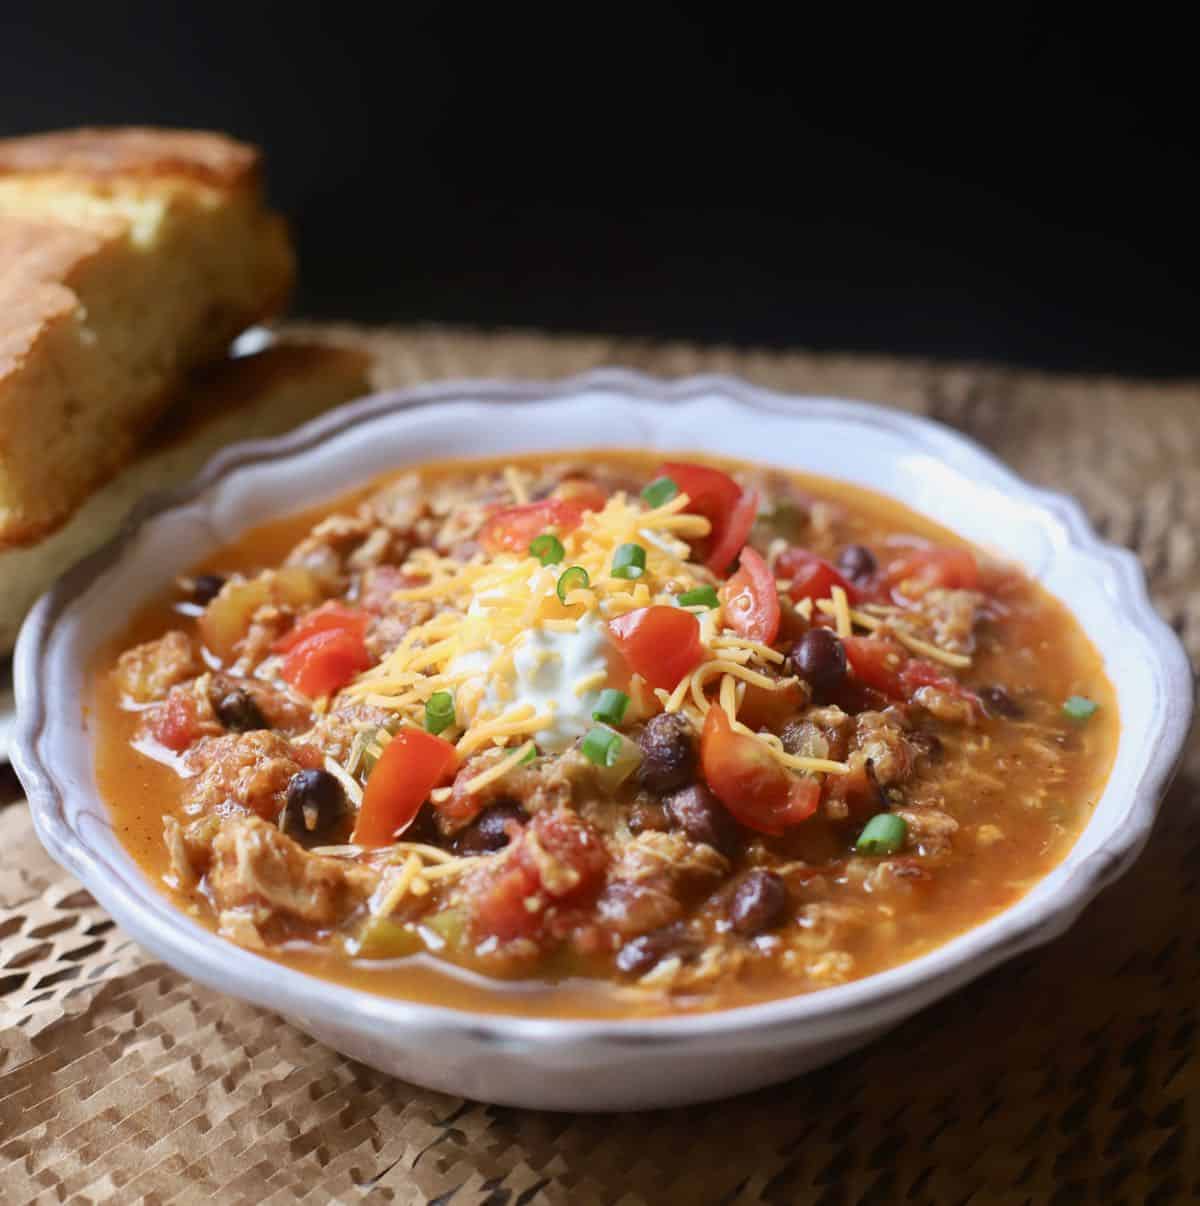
[875, 1000]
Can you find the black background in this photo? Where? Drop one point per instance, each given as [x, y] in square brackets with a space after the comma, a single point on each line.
[1011, 186]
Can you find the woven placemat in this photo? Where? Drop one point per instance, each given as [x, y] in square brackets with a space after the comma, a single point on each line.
[1071, 1074]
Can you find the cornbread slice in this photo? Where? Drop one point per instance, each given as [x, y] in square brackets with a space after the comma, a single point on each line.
[127, 257]
[248, 398]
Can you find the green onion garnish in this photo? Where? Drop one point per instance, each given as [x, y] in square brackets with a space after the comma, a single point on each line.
[439, 711]
[574, 578]
[883, 834]
[547, 548]
[1078, 708]
[660, 490]
[701, 596]
[529, 757]
[629, 561]
[601, 746]
[610, 707]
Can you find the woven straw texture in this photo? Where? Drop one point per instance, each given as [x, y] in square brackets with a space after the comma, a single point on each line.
[1069, 1075]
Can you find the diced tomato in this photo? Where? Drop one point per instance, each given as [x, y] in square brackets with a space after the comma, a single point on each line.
[749, 782]
[660, 643]
[498, 908]
[729, 509]
[750, 599]
[812, 577]
[572, 858]
[877, 663]
[175, 724]
[514, 529]
[559, 861]
[413, 763]
[919, 570]
[733, 535]
[329, 617]
[325, 662]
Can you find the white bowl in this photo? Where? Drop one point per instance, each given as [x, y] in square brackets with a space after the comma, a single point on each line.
[603, 1064]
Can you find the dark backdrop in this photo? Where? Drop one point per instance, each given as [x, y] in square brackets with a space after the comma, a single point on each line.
[1015, 187]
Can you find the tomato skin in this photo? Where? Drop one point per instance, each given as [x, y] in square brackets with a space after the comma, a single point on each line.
[513, 529]
[754, 788]
[719, 499]
[413, 763]
[750, 599]
[660, 643]
[328, 617]
[734, 533]
[923, 569]
[877, 663]
[325, 662]
[812, 576]
[176, 724]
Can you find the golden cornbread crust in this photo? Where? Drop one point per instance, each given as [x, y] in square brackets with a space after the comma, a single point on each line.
[127, 258]
[103, 152]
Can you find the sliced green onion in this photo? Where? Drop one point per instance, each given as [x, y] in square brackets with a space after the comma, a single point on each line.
[883, 834]
[439, 711]
[629, 561]
[601, 746]
[660, 490]
[574, 578]
[1079, 708]
[547, 548]
[610, 707]
[701, 596]
[529, 757]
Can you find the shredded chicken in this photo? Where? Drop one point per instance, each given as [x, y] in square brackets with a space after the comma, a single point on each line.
[255, 867]
[239, 773]
[951, 615]
[147, 672]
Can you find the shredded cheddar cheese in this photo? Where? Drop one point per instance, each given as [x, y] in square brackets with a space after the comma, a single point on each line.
[480, 781]
[909, 640]
[498, 617]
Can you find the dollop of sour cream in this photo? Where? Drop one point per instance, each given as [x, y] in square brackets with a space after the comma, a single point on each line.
[544, 671]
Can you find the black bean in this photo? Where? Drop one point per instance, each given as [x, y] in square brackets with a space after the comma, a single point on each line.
[639, 956]
[315, 808]
[206, 587]
[489, 830]
[758, 902]
[819, 658]
[668, 754]
[857, 563]
[998, 702]
[648, 815]
[703, 818]
[238, 712]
